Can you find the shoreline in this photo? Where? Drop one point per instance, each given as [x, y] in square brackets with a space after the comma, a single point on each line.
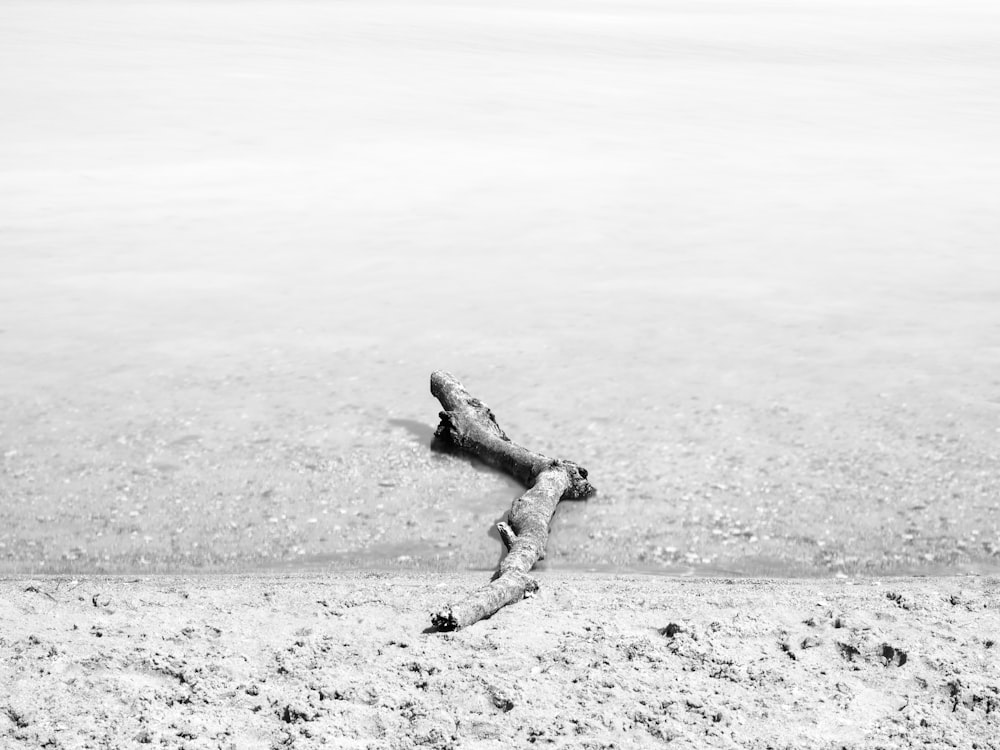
[346, 660]
[417, 566]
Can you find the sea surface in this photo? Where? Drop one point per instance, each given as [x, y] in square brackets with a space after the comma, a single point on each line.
[739, 260]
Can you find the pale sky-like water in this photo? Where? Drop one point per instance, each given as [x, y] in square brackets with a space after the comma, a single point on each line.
[739, 260]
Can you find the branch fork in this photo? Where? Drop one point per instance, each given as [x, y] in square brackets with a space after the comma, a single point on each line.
[468, 424]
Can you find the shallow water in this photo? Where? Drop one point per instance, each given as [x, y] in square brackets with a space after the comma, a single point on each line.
[737, 260]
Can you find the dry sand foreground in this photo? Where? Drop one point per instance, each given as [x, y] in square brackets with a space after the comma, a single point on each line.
[237, 237]
[592, 661]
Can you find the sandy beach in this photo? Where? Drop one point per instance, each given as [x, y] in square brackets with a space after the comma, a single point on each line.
[739, 260]
[345, 661]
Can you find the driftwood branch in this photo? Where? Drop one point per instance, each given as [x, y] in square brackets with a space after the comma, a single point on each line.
[469, 425]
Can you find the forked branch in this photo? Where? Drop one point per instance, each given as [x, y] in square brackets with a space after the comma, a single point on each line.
[469, 425]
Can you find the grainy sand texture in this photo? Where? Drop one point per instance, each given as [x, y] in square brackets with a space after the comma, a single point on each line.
[345, 661]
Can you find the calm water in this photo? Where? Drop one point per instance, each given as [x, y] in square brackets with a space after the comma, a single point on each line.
[739, 260]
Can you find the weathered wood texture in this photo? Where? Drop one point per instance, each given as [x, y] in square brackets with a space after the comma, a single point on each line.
[469, 425]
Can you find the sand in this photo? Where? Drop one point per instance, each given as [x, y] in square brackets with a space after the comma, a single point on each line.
[346, 661]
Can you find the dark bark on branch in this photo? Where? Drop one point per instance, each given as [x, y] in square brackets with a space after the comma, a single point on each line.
[469, 425]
